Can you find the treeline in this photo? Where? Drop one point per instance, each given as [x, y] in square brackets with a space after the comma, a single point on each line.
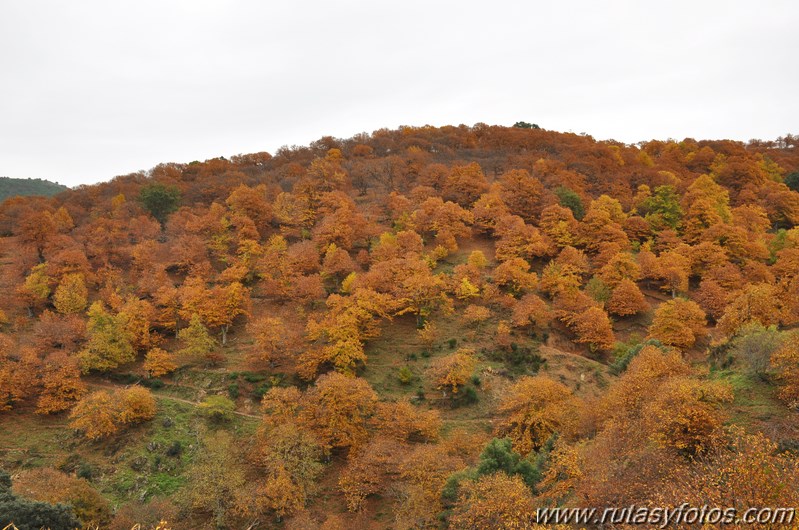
[10, 187]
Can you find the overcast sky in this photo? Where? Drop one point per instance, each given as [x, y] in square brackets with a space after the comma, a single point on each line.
[91, 89]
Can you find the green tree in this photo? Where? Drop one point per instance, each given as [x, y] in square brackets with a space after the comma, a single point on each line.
[792, 181]
[568, 198]
[159, 200]
[499, 456]
[662, 209]
[525, 125]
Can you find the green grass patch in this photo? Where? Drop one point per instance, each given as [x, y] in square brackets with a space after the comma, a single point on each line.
[754, 399]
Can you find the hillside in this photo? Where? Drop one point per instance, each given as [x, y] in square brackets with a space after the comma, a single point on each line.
[10, 187]
[415, 328]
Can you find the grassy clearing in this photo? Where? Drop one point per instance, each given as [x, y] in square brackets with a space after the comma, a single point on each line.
[755, 400]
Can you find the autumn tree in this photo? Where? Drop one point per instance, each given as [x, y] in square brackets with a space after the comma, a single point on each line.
[558, 278]
[139, 315]
[216, 479]
[102, 413]
[748, 471]
[251, 202]
[446, 220]
[96, 415]
[474, 315]
[534, 409]
[453, 371]
[465, 184]
[674, 269]
[158, 362]
[757, 303]
[514, 274]
[593, 327]
[61, 384]
[705, 204]
[17, 373]
[531, 311]
[627, 299]
[407, 423]
[519, 240]
[217, 307]
[36, 289]
[368, 471]
[678, 322]
[786, 363]
[71, 294]
[55, 487]
[487, 210]
[493, 501]
[423, 472]
[270, 336]
[197, 342]
[560, 225]
[136, 404]
[109, 343]
[428, 334]
[522, 193]
[35, 514]
[348, 323]
[291, 458]
[338, 408]
[621, 267]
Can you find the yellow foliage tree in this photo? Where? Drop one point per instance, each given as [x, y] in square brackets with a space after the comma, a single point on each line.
[786, 362]
[534, 409]
[71, 294]
[493, 501]
[338, 409]
[466, 289]
[136, 404]
[109, 342]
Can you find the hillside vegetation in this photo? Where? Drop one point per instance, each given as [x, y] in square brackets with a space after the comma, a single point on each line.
[11, 187]
[415, 328]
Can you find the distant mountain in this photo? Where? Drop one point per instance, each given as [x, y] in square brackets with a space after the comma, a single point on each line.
[9, 187]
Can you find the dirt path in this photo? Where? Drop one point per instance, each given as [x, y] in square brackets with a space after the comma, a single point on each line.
[171, 398]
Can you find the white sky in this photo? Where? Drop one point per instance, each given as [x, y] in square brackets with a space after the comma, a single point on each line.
[91, 89]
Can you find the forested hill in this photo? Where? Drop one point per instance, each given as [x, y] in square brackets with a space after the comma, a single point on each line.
[426, 327]
[10, 187]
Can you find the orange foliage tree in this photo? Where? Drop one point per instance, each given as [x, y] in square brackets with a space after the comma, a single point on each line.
[678, 322]
[453, 371]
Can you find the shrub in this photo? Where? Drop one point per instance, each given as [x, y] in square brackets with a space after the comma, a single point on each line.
[405, 375]
[217, 409]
